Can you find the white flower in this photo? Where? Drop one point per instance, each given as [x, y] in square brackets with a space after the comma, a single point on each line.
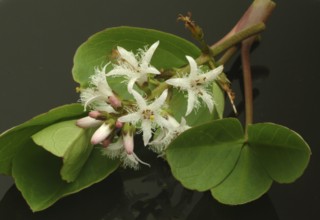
[98, 94]
[135, 67]
[195, 83]
[149, 115]
[165, 137]
[117, 150]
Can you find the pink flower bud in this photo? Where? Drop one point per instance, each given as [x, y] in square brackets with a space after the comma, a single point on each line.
[101, 133]
[119, 124]
[114, 101]
[105, 143]
[94, 114]
[128, 143]
[88, 122]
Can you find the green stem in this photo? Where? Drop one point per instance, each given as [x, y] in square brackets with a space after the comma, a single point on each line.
[158, 91]
[227, 55]
[228, 43]
[237, 38]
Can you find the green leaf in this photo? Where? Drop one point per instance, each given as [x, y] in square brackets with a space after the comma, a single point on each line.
[97, 51]
[202, 157]
[217, 156]
[282, 152]
[14, 139]
[247, 182]
[218, 97]
[66, 140]
[37, 176]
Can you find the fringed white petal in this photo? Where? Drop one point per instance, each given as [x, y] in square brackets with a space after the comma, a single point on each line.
[128, 56]
[114, 150]
[149, 53]
[132, 118]
[152, 70]
[131, 84]
[213, 74]
[140, 100]
[208, 100]
[182, 83]
[193, 67]
[191, 101]
[159, 101]
[147, 132]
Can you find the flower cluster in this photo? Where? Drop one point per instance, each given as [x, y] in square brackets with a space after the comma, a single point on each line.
[117, 120]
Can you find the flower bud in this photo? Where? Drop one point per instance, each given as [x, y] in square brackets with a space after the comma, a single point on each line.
[128, 143]
[88, 122]
[114, 101]
[102, 133]
[94, 114]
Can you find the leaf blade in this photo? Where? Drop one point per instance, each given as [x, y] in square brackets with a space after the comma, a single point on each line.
[283, 152]
[40, 182]
[247, 182]
[202, 157]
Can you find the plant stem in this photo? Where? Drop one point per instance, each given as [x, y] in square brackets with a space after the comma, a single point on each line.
[227, 43]
[247, 79]
[237, 38]
[227, 55]
[158, 91]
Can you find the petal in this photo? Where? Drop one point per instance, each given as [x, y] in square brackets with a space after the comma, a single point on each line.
[101, 133]
[98, 77]
[140, 100]
[131, 84]
[155, 106]
[120, 71]
[212, 74]
[193, 67]
[173, 121]
[162, 122]
[151, 70]
[128, 56]
[104, 107]
[149, 53]
[97, 97]
[130, 161]
[147, 133]
[182, 83]
[114, 150]
[140, 161]
[191, 101]
[132, 118]
[208, 100]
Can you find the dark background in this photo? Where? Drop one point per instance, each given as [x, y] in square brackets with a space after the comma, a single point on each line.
[38, 39]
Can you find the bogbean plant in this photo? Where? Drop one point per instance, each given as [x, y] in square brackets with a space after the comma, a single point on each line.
[163, 88]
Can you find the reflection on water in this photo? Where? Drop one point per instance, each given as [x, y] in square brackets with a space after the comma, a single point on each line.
[151, 193]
